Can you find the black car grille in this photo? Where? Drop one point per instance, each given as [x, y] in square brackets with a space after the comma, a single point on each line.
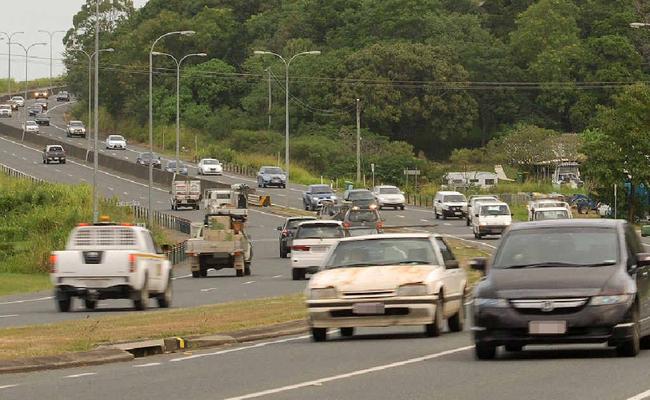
[388, 311]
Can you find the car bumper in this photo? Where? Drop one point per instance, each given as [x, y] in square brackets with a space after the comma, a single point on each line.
[55, 158]
[492, 229]
[274, 183]
[453, 213]
[5, 115]
[340, 314]
[592, 324]
[116, 146]
[211, 172]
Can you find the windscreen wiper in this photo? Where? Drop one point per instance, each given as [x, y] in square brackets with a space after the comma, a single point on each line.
[544, 264]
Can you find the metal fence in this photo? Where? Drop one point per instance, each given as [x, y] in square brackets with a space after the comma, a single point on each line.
[239, 169]
[14, 173]
[419, 200]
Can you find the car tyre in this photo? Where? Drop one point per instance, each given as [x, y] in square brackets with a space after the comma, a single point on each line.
[347, 332]
[631, 347]
[90, 304]
[456, 322]
[467, 221]
[401, 208]
[435, 328]
[165, 298]
[142, 300]
[319, 334]
[297, 274]
[436, 214]
[283, 252]
[196, 274]
[485, 351]
[63, 302]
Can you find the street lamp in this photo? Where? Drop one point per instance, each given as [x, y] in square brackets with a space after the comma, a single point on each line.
[51, 34]
[26, 49]
[286, 100]
[184, 33]
[90, 90]
[178, 96]
[9, 36]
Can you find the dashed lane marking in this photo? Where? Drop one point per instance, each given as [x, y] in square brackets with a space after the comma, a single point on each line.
[146, 365]
[8, 316]
[182, 277]
[209, 289]
[81, 375]
[248, 283]
[26, 301]
[8, 386]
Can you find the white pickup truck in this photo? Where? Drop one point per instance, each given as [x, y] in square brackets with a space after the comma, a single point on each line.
[110, 261]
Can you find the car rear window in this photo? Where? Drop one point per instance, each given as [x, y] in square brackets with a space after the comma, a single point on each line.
[363, 216]
[293, 224]
[56, 148]
[319, 231]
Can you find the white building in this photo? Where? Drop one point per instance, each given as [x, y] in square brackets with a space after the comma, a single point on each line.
[471, 178]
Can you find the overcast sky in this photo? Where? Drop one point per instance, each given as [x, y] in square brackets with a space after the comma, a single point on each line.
[31, 16]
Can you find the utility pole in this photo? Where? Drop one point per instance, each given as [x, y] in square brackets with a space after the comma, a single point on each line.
[358, 142]
[96, 117]
[9, 37]
[270, 99]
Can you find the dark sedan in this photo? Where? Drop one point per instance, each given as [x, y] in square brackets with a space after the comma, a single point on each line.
[287, 230]
[33, 110]
[171, 167]
[361, 198]
[145, 159]
[563, 282]
[42, 119]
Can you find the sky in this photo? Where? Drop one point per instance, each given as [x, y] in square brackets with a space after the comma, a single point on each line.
[30, 17]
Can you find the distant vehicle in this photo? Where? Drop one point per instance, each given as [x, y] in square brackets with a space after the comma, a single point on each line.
[14, 105]
[42, 94]
[287, 231]
[361, 198]
[185, 193]
[271, 176]
[75, 128]
[387, 280]
[333, 211]
[210, 166]
[491, 219]
[116, 142]
[545, 203]
[549, 213]
[42, 119]
[171, 167]
[145, 159]
[18, 100]
[389, 196]
[63, 96]
[31, 127]
[53, 152]
[361, 231]
[449, 204]
[563, 282]
[217, 198]
[111, 261]
[34, 109]
[5, 111]
[568, 174]
[42, 103]
[315, 195]
[310, 245]
[471, 203]
[357, 218]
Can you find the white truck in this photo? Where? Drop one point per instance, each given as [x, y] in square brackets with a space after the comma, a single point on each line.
[216, 198]
[185, 193]
[221, 243]
[110, 261]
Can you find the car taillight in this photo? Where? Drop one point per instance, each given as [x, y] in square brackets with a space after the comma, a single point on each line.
[380, 225]
[53, 259]
[347, 225]
[300, 248]
[132, 261]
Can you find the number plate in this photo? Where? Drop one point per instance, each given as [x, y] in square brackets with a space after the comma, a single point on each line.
[547, 327]
[368, 308]
[458, 213]
[95, 283]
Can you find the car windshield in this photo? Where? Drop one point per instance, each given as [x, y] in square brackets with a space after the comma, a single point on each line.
[361, 195]
[16, 98]
[496, 209]
[76, 123]
[454, 198]
[558, 247]
[5, 107]
[293, 223]
[56, 148]
[320, 189]
[382, 251]
[172, 164]
[551, 214]
[363, 216]
[31, 123]
[389, 190]
[115, 137]
[210, 162]
[272, 171]
[319, 231]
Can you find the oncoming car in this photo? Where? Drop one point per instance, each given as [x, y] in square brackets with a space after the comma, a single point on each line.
[310, 245]
[387, 280]
[209, 166]
[116, 142]
[544, 214]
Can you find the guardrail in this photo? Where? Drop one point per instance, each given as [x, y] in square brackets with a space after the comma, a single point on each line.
[176, 253]
[14, 173]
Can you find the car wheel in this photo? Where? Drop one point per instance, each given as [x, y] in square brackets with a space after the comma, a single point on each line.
[456, 322]
[514, 348]
[485, 351]
[283, 252]
[401, 208]
[631, 347]
[204, 273]
[165, 298]
[142, 300]
[90, 304]
[467, 221]
[435, 328]
[319, 334]
[196, 274]
[239, 273]
[247, 269]
[297, 274]
[63, 302]
[436, 214]
[347, 332]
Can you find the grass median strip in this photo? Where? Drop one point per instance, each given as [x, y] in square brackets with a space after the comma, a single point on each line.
[23, 283]
[83, 335]
[464, 252]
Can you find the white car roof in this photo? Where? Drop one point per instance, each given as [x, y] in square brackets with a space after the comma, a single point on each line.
[30, 122]
[446, 192]
[76, 122]
[552, 209]
[386, 186]
[208, 159]
[321, 222]
[391, 236]
[496, 203]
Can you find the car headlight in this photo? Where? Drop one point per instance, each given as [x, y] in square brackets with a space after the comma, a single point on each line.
[608, 300]
[322, 294]
[491, 303]
[412, 290]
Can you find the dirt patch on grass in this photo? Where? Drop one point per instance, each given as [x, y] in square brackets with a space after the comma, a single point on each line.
[465, 252]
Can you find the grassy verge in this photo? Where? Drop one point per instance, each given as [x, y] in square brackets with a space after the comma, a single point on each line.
[23, 283]
[82, 335]
[465, 252]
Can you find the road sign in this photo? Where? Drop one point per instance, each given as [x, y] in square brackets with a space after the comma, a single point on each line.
[412, 172]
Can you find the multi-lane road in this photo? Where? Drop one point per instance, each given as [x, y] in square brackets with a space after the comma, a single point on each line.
[375, 364]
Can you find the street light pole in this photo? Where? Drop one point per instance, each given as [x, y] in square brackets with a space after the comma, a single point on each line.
[184, 33]
[9, 36]
[358, 143]
[95, 153]
[26, 49]
[51, 35]
[178, 97]
[286, 101]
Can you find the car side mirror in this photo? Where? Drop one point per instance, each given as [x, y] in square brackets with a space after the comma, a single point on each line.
[478, 264]
[643, 259]
[476, 215]
[279, 228]
[452, 264]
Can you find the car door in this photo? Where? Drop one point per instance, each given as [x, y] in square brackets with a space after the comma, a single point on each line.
[453, 279]
[641, 274]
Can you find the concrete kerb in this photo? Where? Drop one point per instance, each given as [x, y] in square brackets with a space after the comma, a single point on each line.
[121, 352]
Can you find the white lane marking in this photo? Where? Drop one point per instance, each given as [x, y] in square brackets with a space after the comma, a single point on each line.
[248, 283]
[57, 170]
[209, 289]
[471, 241]
[319, 382]
[159, 202]
[8, 386]
[146, 365]
[13, 154]
[281, 195]
[109, 188]
[182, 277]
[277, 276]
[400, 216]
[26, 301]
[82, 179]
[8, 315]
[81, 375]
[446, 224]
[254, 346]
[640, 396]
[424, 220]
[126, 193]
[24, 159]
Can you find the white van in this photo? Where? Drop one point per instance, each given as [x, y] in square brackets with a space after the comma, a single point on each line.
[449, 204]
[544, 214]
[491, 219]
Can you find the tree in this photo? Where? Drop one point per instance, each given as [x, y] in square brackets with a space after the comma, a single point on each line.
[524, 146]
[618, 145]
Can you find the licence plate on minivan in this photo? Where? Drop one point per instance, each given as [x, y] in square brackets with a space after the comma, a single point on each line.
[547, 327]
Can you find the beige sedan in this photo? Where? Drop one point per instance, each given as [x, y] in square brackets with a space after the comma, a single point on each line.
[387, 280]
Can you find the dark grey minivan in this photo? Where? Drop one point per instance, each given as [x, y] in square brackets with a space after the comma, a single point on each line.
[563, 282]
